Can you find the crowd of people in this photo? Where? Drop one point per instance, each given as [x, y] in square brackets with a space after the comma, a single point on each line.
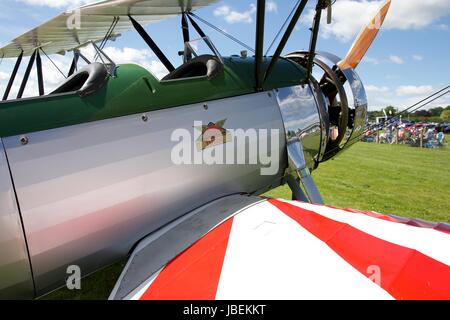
[419, 135]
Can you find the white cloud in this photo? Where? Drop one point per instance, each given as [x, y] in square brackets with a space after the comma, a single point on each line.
[392, 59]
[129, 55]
[371, 60]
[142, 57]
[233, 16]
[375, 89]
[349, 16]
[402, 96]
[396, 59]
[416, 14]
[3, 76]
[443, 26]
[405, 102]
[271, 6]
[157, 68]
[343, 27]
[413, 90]
[53, 78]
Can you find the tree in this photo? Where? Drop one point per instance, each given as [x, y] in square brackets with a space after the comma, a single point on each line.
[390, 111]
[374, 114]
[436, 112]
[423, 113]
[445, 115]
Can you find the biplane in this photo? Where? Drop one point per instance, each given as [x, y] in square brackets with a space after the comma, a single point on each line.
[88, 175]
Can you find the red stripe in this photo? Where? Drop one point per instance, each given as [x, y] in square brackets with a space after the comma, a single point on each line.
[195, 273]
[441, 227]
[405, 273]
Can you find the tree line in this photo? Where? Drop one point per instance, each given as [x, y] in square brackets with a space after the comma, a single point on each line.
[437, 114]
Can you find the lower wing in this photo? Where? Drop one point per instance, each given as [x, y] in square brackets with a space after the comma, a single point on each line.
[242, 247]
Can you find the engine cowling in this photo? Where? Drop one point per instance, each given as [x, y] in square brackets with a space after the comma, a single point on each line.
[345, 100]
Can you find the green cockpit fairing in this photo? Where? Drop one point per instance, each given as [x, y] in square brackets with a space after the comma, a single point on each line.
[135, 90]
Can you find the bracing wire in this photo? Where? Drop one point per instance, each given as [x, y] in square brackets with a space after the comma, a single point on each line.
[282, 27]
[424, 99]
[420, 104]
[285, 23]
[110, 33]
[229, 36]
[107, 36]
[111, 27]
[428, 102]
[417, 106]
[54, 63]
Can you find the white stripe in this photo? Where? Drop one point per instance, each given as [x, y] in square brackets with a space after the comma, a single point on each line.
[270, 256]
[430, 242]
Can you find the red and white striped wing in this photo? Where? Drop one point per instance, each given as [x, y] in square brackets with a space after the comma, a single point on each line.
[292, 250]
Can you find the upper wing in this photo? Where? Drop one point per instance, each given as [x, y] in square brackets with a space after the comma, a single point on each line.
[73, 29]
[271, 249]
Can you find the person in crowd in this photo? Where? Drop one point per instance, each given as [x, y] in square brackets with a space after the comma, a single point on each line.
[440, 137]
[407, 135]
[388, 135]
[429, 134]
[401, 134]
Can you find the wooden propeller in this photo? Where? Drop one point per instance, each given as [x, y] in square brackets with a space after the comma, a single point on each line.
[365, 39]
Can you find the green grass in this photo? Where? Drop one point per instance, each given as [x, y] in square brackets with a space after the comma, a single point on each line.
[96, 286]
[391, 179]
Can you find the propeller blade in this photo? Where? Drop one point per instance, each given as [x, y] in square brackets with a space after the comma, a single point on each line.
[365, 39]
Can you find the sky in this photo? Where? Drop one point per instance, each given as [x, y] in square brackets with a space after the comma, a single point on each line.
[409, 59]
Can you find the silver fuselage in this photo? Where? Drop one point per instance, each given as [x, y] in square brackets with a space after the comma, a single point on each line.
[86, 194]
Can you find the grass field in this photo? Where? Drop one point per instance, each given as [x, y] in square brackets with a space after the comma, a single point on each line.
[391, 179]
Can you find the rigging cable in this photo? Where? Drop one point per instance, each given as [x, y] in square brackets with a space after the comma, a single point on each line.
[428, 102]
[418, 105]
[222, 32]
[282, 27]
[107, 36]
[53, 63]
[391, 122]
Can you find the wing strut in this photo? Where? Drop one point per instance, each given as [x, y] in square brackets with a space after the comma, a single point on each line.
[321, 5]
[27, 75]
[299, 177]
[260, 17]
[39, 73]
[74, 65]
[152, 44]
[13, 77]
[186, 35]
[196, 27]
[285, 38]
